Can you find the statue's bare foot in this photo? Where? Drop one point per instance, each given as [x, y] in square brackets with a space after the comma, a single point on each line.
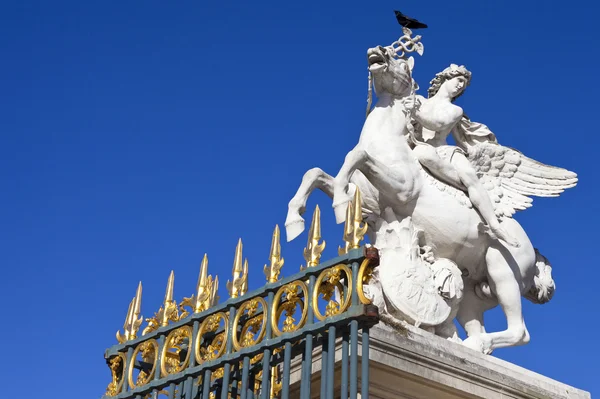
[498, 233]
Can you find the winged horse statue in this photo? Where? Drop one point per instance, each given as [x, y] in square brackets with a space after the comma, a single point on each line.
[400, 180]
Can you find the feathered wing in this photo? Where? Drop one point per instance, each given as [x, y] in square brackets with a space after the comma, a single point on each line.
[509, 176]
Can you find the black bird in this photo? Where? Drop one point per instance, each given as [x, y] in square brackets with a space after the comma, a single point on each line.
[408, 22]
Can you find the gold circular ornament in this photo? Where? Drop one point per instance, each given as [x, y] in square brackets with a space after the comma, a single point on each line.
[365, 273]
[149, 352]
[117, 370]
[251, 333]
[292, 300]
[170, 361]
[326, 283]
[217, 345]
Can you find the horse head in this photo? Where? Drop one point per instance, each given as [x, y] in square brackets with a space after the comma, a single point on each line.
[392, 74]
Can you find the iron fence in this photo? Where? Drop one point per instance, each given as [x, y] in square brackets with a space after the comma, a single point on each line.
[244, 347]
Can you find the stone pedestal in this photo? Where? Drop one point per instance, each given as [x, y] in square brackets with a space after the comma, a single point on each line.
[421, 365]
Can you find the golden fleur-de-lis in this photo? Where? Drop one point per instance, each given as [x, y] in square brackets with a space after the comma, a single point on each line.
[239, 284]
[272, 271]
[355, 228]
[314, 249]
[203, 299]
[133, 319]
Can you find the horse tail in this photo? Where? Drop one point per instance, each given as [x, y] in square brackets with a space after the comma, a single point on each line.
[543, 285]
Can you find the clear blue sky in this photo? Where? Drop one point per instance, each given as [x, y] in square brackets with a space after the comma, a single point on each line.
[138, 135]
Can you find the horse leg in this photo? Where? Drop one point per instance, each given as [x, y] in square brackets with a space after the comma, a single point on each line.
[501, 268]
[312, 179]
[471, 310]
[391, 181]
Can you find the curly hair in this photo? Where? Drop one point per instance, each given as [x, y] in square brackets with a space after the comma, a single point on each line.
[451, 72]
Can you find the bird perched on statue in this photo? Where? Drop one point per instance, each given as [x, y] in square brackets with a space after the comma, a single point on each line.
[407, 22]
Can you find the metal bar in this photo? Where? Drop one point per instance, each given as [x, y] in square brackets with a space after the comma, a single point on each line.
[306, 367]
[191, 389]
[234, 380]
[354, 337]
[250, 392]
[364, 362]
[331, 362]
[287, 360]
[228, 350]
[266, 371]
[245, 370]
[127, 365]
[161, 343]
[350, 257]
[354, 294]
[206, 384]
[344, 385]
[308, 349]
[354, 359]
[324, 358]
[171, 391]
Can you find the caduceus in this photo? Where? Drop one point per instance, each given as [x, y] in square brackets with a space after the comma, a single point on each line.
[398, 49]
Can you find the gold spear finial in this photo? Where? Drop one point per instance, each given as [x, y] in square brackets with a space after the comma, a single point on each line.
[169, 306]
[347, 229]
[359, 228]
[313, 250]
[272, 271]
[202, 299]
[236, 285]
[133, 320]
[355, 228]
[214, 294]
[244, 288]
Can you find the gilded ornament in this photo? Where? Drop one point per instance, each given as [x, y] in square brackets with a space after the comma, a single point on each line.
[289, 305]
[254, 328]
[354, 228]
[117, 370]
[365, 273]
[170, 360]
[148, 351]
[168, 312]
[239, 285]
[210, 325]
[274, 387]
[325, 286]
[206, 292]
[133, 321]
[272, 271]
[314, 249]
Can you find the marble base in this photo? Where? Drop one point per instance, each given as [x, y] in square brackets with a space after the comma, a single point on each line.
[421, 365]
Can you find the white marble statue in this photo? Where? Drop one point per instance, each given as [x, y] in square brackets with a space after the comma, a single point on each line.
[460, 199]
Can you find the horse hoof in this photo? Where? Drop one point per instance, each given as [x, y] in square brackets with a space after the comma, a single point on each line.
[478, 344]
[293, 229]
[340, 212]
